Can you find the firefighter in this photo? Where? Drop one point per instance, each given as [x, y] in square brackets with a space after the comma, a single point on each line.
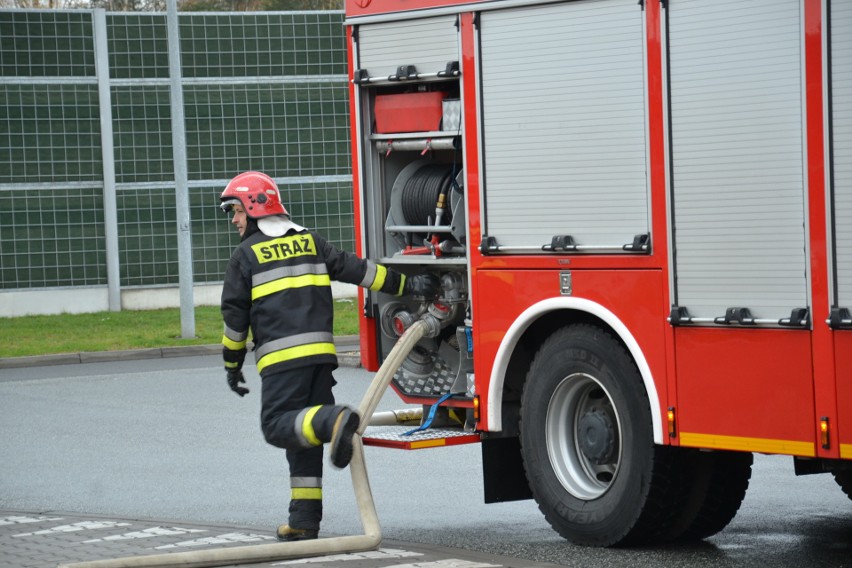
[278, 285]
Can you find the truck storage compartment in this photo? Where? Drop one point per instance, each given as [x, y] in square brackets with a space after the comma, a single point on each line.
[409, 112]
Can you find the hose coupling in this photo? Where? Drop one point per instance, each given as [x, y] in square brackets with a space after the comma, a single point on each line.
[432, 325]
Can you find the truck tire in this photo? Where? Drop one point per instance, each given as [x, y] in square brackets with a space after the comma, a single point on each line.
[843, 478]
[588, 446]
[722, 479]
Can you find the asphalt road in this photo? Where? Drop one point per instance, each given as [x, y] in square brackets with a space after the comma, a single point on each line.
[166, 439]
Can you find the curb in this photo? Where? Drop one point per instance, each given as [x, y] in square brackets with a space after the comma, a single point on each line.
[348, 355]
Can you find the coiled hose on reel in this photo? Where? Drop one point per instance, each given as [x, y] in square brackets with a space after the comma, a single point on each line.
[421, 193]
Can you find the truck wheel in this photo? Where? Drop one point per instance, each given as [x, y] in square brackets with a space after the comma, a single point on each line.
[726, 476]
[843, 478]
[588, 446]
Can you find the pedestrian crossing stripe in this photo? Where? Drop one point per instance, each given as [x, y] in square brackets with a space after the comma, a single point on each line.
[227, 538]
[17, 520]
[76, 527]
[448, 563]
[147, 533]
[380, 554]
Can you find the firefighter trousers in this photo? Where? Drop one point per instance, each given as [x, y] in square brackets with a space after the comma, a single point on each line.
[298, 414]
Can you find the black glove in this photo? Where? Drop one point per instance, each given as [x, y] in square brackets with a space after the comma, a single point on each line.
[425, 285]
[235, 377]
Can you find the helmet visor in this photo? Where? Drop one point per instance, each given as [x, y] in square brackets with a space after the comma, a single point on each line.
[228, 205]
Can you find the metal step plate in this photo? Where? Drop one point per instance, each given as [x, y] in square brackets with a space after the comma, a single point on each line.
[392, 437]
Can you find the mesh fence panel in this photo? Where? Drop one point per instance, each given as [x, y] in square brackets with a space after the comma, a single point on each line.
[260, 45]
[49, 133]
[46, 44]
[281, 129]
[52, 237]
[138, 46]
[147, 238]
[142, 134]
[263, 91]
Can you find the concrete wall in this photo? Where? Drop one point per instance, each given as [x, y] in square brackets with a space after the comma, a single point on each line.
[94, 299]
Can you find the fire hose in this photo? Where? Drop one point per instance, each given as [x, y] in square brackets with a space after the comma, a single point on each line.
[370, 540]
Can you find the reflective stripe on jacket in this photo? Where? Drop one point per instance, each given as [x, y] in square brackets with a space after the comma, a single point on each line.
[280, 288]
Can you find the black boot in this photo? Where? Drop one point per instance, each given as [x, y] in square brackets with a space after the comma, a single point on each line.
[344, 429]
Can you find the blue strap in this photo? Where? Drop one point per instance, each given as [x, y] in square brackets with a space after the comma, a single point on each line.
[431, 415]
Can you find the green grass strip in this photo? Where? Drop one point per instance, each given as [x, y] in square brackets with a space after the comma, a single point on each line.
[113, 331]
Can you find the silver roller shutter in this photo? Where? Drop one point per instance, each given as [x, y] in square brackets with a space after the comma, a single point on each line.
[564, 123]
[428, 44]
[737, 156]
[841, 127]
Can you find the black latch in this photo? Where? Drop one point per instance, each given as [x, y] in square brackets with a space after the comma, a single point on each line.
[640, 243]
[451, 70]
[840, 318]
[404, 72]
[799, 317]
[560, 243]
[360, 76]
[679, 316]
[741, 316]
[488, 245]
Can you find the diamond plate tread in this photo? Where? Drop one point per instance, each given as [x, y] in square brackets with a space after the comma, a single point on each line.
[396, 433]
[393, 437]
[438, 383]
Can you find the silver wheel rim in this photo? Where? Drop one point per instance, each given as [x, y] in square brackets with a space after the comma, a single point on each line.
[581, 420]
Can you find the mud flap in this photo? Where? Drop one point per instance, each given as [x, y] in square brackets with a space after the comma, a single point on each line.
[503, 471]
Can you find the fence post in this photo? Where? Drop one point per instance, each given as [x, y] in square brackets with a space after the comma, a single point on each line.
[187, 301]
[108, 159]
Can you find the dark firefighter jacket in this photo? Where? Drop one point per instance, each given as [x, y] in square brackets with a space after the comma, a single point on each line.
[280, 288]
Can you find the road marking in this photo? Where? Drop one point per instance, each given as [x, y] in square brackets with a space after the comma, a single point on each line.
[147, 533]
[25, 520]
[221, 539]
[380, 554]
[448, 563]
[82, 526]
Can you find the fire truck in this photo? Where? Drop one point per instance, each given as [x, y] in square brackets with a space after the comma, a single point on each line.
[640, 213]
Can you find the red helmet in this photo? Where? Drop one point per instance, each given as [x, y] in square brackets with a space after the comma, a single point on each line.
[256, 192]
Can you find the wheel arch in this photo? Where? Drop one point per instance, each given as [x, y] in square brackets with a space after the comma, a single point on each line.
[536, 322]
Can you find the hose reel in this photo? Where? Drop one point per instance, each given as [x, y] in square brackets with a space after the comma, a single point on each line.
[422, 191]
[414, 209]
